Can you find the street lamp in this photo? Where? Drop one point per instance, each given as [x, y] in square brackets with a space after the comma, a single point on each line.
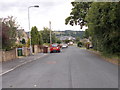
[50, 32]
[29, 27]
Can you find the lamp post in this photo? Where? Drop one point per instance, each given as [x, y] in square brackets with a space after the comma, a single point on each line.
[29, 27]
[50, 32]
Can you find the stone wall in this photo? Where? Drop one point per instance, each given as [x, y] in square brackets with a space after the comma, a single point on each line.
[0, 55]
[26, 51]
[8, 55]
[13, 54]
[38, 49]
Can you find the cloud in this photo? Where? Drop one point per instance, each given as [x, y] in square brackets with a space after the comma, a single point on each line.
[22, 4]
[49, 10]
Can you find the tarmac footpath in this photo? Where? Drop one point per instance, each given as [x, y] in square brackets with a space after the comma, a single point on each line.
[9, 66]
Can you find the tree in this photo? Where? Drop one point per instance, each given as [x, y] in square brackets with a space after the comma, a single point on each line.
[78, 13]
[46, 35]
[103, 26]
[86, 34]
[67, 41]
[102, 20]
[40, 39]
[9, 27]
[54, 39]
[34, 36]
[59, 41]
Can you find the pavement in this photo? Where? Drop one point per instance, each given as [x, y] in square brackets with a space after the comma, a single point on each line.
[13, 64]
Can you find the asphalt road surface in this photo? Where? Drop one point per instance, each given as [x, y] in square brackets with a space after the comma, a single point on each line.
[72, 68]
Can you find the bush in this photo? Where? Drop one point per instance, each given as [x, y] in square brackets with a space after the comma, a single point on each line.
[19, 45]
[79, 44]
[59, 41]
[28, 43]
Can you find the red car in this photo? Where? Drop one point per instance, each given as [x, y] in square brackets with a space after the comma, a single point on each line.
[54, 48]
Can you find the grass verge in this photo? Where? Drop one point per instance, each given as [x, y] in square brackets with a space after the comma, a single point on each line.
[112, 58]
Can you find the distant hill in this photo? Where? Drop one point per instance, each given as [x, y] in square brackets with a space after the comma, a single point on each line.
[69, 33]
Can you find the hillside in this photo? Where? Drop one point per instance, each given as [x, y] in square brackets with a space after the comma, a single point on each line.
[69, 33]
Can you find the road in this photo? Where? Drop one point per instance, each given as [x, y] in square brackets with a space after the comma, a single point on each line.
[72, 68]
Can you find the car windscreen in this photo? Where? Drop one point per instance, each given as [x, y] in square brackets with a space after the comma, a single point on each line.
[54, 45]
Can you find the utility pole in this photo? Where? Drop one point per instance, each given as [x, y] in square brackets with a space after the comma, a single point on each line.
[50, 32]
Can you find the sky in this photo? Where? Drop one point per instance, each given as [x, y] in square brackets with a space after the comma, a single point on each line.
[49, 10]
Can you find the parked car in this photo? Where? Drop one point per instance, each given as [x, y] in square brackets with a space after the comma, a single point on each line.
[70, 43]
[54, 48]
[64, 46]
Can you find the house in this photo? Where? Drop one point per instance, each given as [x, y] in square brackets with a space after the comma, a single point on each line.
[66, 38]
[21, 34]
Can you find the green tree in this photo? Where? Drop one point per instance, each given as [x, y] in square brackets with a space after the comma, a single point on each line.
[46, 35]
[54, 39]
[40, 39]
[59, 41]
[86, 34]
[103, 26]
[78, 13]
[34, 36]
[67, 41]
[103, 23]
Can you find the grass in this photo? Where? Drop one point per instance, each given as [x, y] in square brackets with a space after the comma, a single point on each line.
[115, 56]
[82, 48]
[112, 58]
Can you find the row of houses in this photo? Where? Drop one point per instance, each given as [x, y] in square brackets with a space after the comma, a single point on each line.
[66, 38]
